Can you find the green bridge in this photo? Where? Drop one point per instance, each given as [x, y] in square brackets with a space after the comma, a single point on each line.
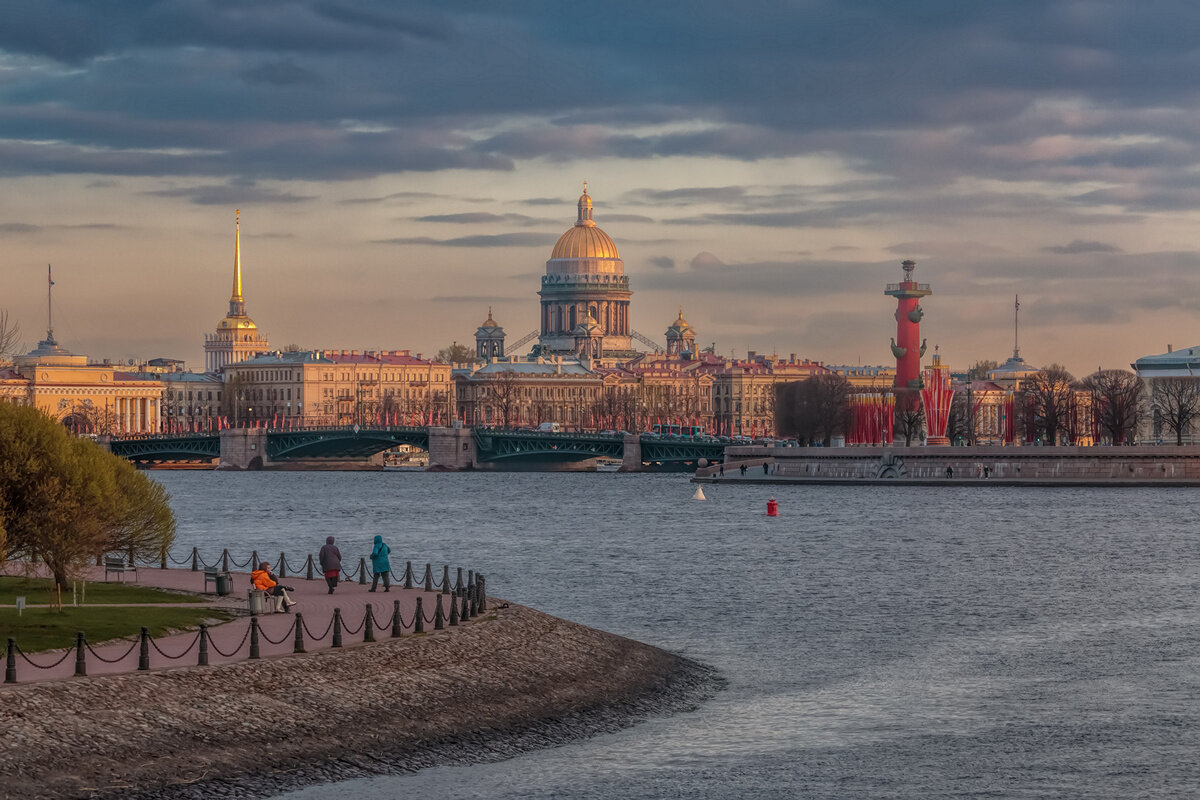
[448, 448]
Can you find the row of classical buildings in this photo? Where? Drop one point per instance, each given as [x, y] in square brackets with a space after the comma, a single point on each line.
[584, 371]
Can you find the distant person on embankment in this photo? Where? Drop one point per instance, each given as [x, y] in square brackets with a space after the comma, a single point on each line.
[263, 580]
[381, 565]
[331, 563]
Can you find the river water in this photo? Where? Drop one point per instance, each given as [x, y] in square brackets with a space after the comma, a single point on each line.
[879, 642]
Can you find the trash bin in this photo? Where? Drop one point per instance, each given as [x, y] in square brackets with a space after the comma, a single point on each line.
[224, 584]
[256, 602]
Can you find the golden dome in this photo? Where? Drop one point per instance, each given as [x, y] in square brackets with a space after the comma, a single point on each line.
[585, 240]
[237, 323]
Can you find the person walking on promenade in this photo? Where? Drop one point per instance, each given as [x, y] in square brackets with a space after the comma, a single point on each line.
[721, 469]
[381, 565]
[263, 580]
[766, 468]
[743, 469]
[331, 563]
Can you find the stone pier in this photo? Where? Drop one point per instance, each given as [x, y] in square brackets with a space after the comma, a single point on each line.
[243, 448]
[631, 457]
[451, 449]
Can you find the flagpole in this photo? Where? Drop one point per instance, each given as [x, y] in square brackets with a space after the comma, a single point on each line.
[49, 305]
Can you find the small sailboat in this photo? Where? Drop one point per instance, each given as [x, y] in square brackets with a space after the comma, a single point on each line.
[699, 494]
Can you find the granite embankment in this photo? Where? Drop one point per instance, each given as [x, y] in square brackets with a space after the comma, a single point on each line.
[512, 681]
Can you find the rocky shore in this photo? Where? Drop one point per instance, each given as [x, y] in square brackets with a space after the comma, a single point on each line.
[509, 682]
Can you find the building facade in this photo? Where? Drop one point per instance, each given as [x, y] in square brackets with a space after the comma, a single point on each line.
[338, 387]
[525, 393]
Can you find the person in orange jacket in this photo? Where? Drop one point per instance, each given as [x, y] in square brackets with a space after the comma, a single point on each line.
[262, 578]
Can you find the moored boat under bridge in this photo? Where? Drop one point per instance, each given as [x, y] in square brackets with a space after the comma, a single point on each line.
[448, 448]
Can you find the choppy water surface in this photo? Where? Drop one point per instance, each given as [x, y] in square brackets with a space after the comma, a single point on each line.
[879, 642]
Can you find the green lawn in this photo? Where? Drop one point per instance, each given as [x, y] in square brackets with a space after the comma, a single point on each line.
[48, 629]
[39, 591]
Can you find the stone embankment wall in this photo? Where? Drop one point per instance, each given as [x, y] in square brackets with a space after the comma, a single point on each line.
[512, 681]
[1143, 463]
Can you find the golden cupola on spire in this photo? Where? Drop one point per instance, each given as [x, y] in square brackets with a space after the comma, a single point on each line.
[585, 240]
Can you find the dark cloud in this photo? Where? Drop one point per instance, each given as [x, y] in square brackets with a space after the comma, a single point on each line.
[221, 195]
[1080, 246]
[279, 73]
[497, 240]
[18, 227]
[663, 262]
[483, 217]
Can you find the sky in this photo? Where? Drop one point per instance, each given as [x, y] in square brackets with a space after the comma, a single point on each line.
[766, 166]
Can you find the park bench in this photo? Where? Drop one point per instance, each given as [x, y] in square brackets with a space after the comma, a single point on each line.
[117, 566]
[215, 577]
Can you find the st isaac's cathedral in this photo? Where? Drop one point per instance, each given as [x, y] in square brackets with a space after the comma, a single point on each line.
[585, 295]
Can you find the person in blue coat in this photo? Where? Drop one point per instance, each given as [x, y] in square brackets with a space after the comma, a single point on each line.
[380, 564]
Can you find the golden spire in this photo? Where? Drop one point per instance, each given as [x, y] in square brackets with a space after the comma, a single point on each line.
[237, 308]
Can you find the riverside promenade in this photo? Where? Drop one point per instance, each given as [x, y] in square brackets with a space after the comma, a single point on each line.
[395, 612]
[506, 682]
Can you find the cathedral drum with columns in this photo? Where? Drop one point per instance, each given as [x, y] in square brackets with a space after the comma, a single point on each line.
[585, 294]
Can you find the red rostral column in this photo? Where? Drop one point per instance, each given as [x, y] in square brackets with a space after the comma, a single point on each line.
[908, 347]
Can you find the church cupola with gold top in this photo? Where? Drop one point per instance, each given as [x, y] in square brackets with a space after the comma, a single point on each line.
[585, 289]
[681, 337]
[489, 339]
[237, 338]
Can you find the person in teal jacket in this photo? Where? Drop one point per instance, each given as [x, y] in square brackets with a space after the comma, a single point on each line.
[380, 564]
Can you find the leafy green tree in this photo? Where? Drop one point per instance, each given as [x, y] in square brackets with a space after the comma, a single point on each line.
[64, 501]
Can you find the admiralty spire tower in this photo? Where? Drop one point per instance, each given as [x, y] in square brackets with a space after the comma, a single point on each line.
[585, 294]
[237, 337]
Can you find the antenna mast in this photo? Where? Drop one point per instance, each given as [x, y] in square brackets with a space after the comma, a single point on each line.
[1016, 326]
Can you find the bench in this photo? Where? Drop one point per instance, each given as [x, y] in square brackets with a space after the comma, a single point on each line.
[213, 575]
[117, 566]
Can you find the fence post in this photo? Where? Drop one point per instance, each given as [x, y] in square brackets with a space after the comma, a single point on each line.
[408, 576]
[470, 581]
[481, 589]
[429, 577]
[369, 625]
[254, 562]
[10, 661]
[453, 609]
[254, 638]
[396, 628]
[458, 585]
[163, 560]
[337, 627]
[80, 664]
[471, 595]
[418, 623]
[299, 645]
[362, 570]
[283, 565]
[445, 579]
[439, 616]
[309, 575]
[144, 657]
[203, 660]
[225, 560]
[465, 614]
[195, 560]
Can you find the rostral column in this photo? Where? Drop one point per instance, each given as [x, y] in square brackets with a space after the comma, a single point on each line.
[908, 347]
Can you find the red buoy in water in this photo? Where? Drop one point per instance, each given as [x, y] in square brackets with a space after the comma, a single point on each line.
[772, 508]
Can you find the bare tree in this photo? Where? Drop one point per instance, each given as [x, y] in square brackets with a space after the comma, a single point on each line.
[910, 414]
[1050, 394]
[814, 410]
[10, 335]
[1176, 404]
[505, 389]
[980, 369]
[1116, 402]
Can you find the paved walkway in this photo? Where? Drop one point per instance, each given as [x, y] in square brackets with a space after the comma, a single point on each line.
[315, 607]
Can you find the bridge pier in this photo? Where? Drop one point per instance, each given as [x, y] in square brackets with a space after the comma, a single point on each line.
[451, 449]
[243, 448]
[631, 455]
